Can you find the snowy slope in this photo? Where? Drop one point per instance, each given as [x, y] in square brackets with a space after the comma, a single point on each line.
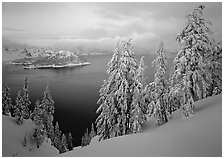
[13, 137]
[200, 135]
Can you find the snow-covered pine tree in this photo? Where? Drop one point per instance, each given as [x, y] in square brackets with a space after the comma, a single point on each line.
[26, 99]
[50, 128]
[215, 68]
[92, 132]
[48, 105]
[86, 138]
[69, 141]
[187, 99]
[138, 113]
[116, 94]
[39, 131]
[64, 145]
[173, 98]
[38, 113]
[6, 101]
[106, 99]
[57, 136]
[19, 109]
[148, 98]
[160, 92]
[191, 61]
[82, 141]
[38, 135]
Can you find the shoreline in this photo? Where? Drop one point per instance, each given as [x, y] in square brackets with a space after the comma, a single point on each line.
[55, 66]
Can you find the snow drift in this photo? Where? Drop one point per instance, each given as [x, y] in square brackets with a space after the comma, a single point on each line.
[200, 135]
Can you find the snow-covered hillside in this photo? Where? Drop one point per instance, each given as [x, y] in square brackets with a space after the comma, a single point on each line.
[200, 135]
[63, 54]
[13, 137]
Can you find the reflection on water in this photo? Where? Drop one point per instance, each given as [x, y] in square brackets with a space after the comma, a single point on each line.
[74, 90]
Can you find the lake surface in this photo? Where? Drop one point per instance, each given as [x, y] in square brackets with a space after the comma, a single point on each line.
[74, 90]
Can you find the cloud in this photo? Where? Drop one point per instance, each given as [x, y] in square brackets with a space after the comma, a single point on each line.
[120, 11]
[12, 29]
[143, 43]
[100, 25]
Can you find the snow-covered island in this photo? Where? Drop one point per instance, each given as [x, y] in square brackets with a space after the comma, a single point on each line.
[55, 66]
[59, 59]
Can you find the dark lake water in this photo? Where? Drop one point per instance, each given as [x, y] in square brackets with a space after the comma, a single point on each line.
[74, 90]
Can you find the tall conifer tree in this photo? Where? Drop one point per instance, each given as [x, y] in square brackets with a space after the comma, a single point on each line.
[160, 92]
[48, 106]
[26, 99]
[191, 77]
[19, 109]
[6, 101]
[64, 145]
[191, 61]
[57, 136]
[117, 93]
[139, 111]
[39, 131]
[69, 141]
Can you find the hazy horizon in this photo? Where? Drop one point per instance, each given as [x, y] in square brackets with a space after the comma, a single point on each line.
[101, 25]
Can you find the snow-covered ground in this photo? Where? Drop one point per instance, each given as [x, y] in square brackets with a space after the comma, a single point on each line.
[13, 137]
[200, 135]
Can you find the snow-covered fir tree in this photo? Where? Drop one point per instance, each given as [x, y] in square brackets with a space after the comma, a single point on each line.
[86, 139]
[138, 116]
[38, 113]
[148, 98]
[64, 145]
[69, 141]
[6, 101]
[57, 136]
[48, 105]
[187, 99]
[173, 98]
[26, 99]
[192, 59]
[215, 68]
[106, 100]
[92, 132]
[160, 91]
[39, 131]
[38, 135]
[19, 109]
[82, 141]
[116, 94]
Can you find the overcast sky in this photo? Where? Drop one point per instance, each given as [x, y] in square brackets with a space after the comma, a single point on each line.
[100, 25]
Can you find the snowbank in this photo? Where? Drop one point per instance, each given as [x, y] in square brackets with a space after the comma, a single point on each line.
[13, 137]
[200, 135]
